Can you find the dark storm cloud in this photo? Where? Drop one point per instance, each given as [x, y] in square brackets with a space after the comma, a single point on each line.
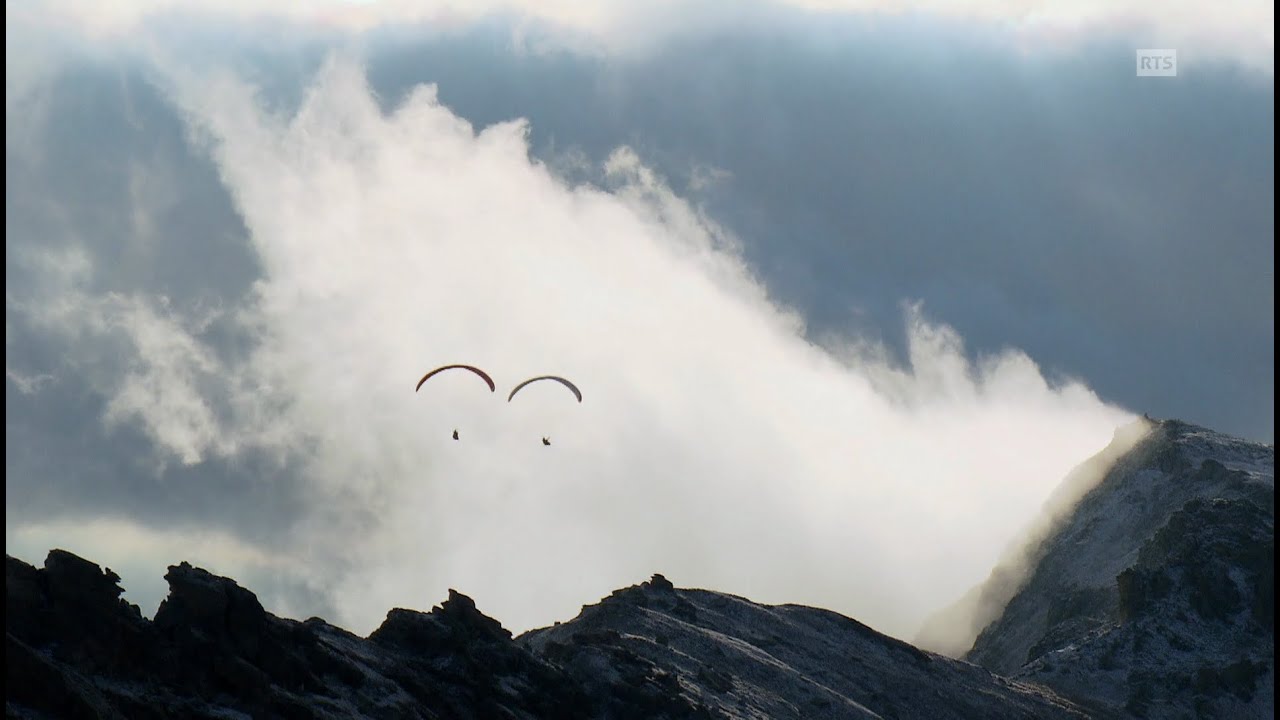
[111, 181]
[111, 151]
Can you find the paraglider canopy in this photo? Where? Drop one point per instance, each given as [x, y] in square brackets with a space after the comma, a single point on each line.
[572, 388]
[483, 375]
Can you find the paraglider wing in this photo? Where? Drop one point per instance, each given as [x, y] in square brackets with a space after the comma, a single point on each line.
[483, 375]
[572, 388]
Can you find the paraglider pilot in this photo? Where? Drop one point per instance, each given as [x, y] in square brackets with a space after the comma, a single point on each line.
[455, 434]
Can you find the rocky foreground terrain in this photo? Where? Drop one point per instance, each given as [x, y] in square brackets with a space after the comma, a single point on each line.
[1152, 596]
[76, 650]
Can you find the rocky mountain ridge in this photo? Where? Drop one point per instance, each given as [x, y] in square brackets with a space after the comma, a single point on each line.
[75, 649]
[1151, 596]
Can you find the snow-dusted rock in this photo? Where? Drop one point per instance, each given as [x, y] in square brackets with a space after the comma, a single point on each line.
[739, 659]
[1153, 597]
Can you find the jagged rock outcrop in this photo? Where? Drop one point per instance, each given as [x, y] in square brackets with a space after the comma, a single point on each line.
[1154, 596]
[76, 650]
[69, 614]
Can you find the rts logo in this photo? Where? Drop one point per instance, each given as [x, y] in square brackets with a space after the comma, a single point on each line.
[1157, 63]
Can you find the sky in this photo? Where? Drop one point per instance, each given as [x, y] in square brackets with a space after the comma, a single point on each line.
[848, 287]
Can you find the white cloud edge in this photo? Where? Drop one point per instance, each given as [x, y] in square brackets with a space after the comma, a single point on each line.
[1241, 31]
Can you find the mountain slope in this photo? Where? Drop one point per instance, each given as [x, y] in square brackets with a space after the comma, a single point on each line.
[744, 660]
[1153, 597]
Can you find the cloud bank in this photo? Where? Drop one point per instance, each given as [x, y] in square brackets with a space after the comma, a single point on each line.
[714, 444]
[1237, 30]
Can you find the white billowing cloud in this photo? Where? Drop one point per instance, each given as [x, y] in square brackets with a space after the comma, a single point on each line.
[1240, 30]
[148, 359]
[158, 388]
[714, 443]
[27, 384]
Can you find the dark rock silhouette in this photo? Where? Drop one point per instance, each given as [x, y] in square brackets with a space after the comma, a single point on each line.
[76, 650]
